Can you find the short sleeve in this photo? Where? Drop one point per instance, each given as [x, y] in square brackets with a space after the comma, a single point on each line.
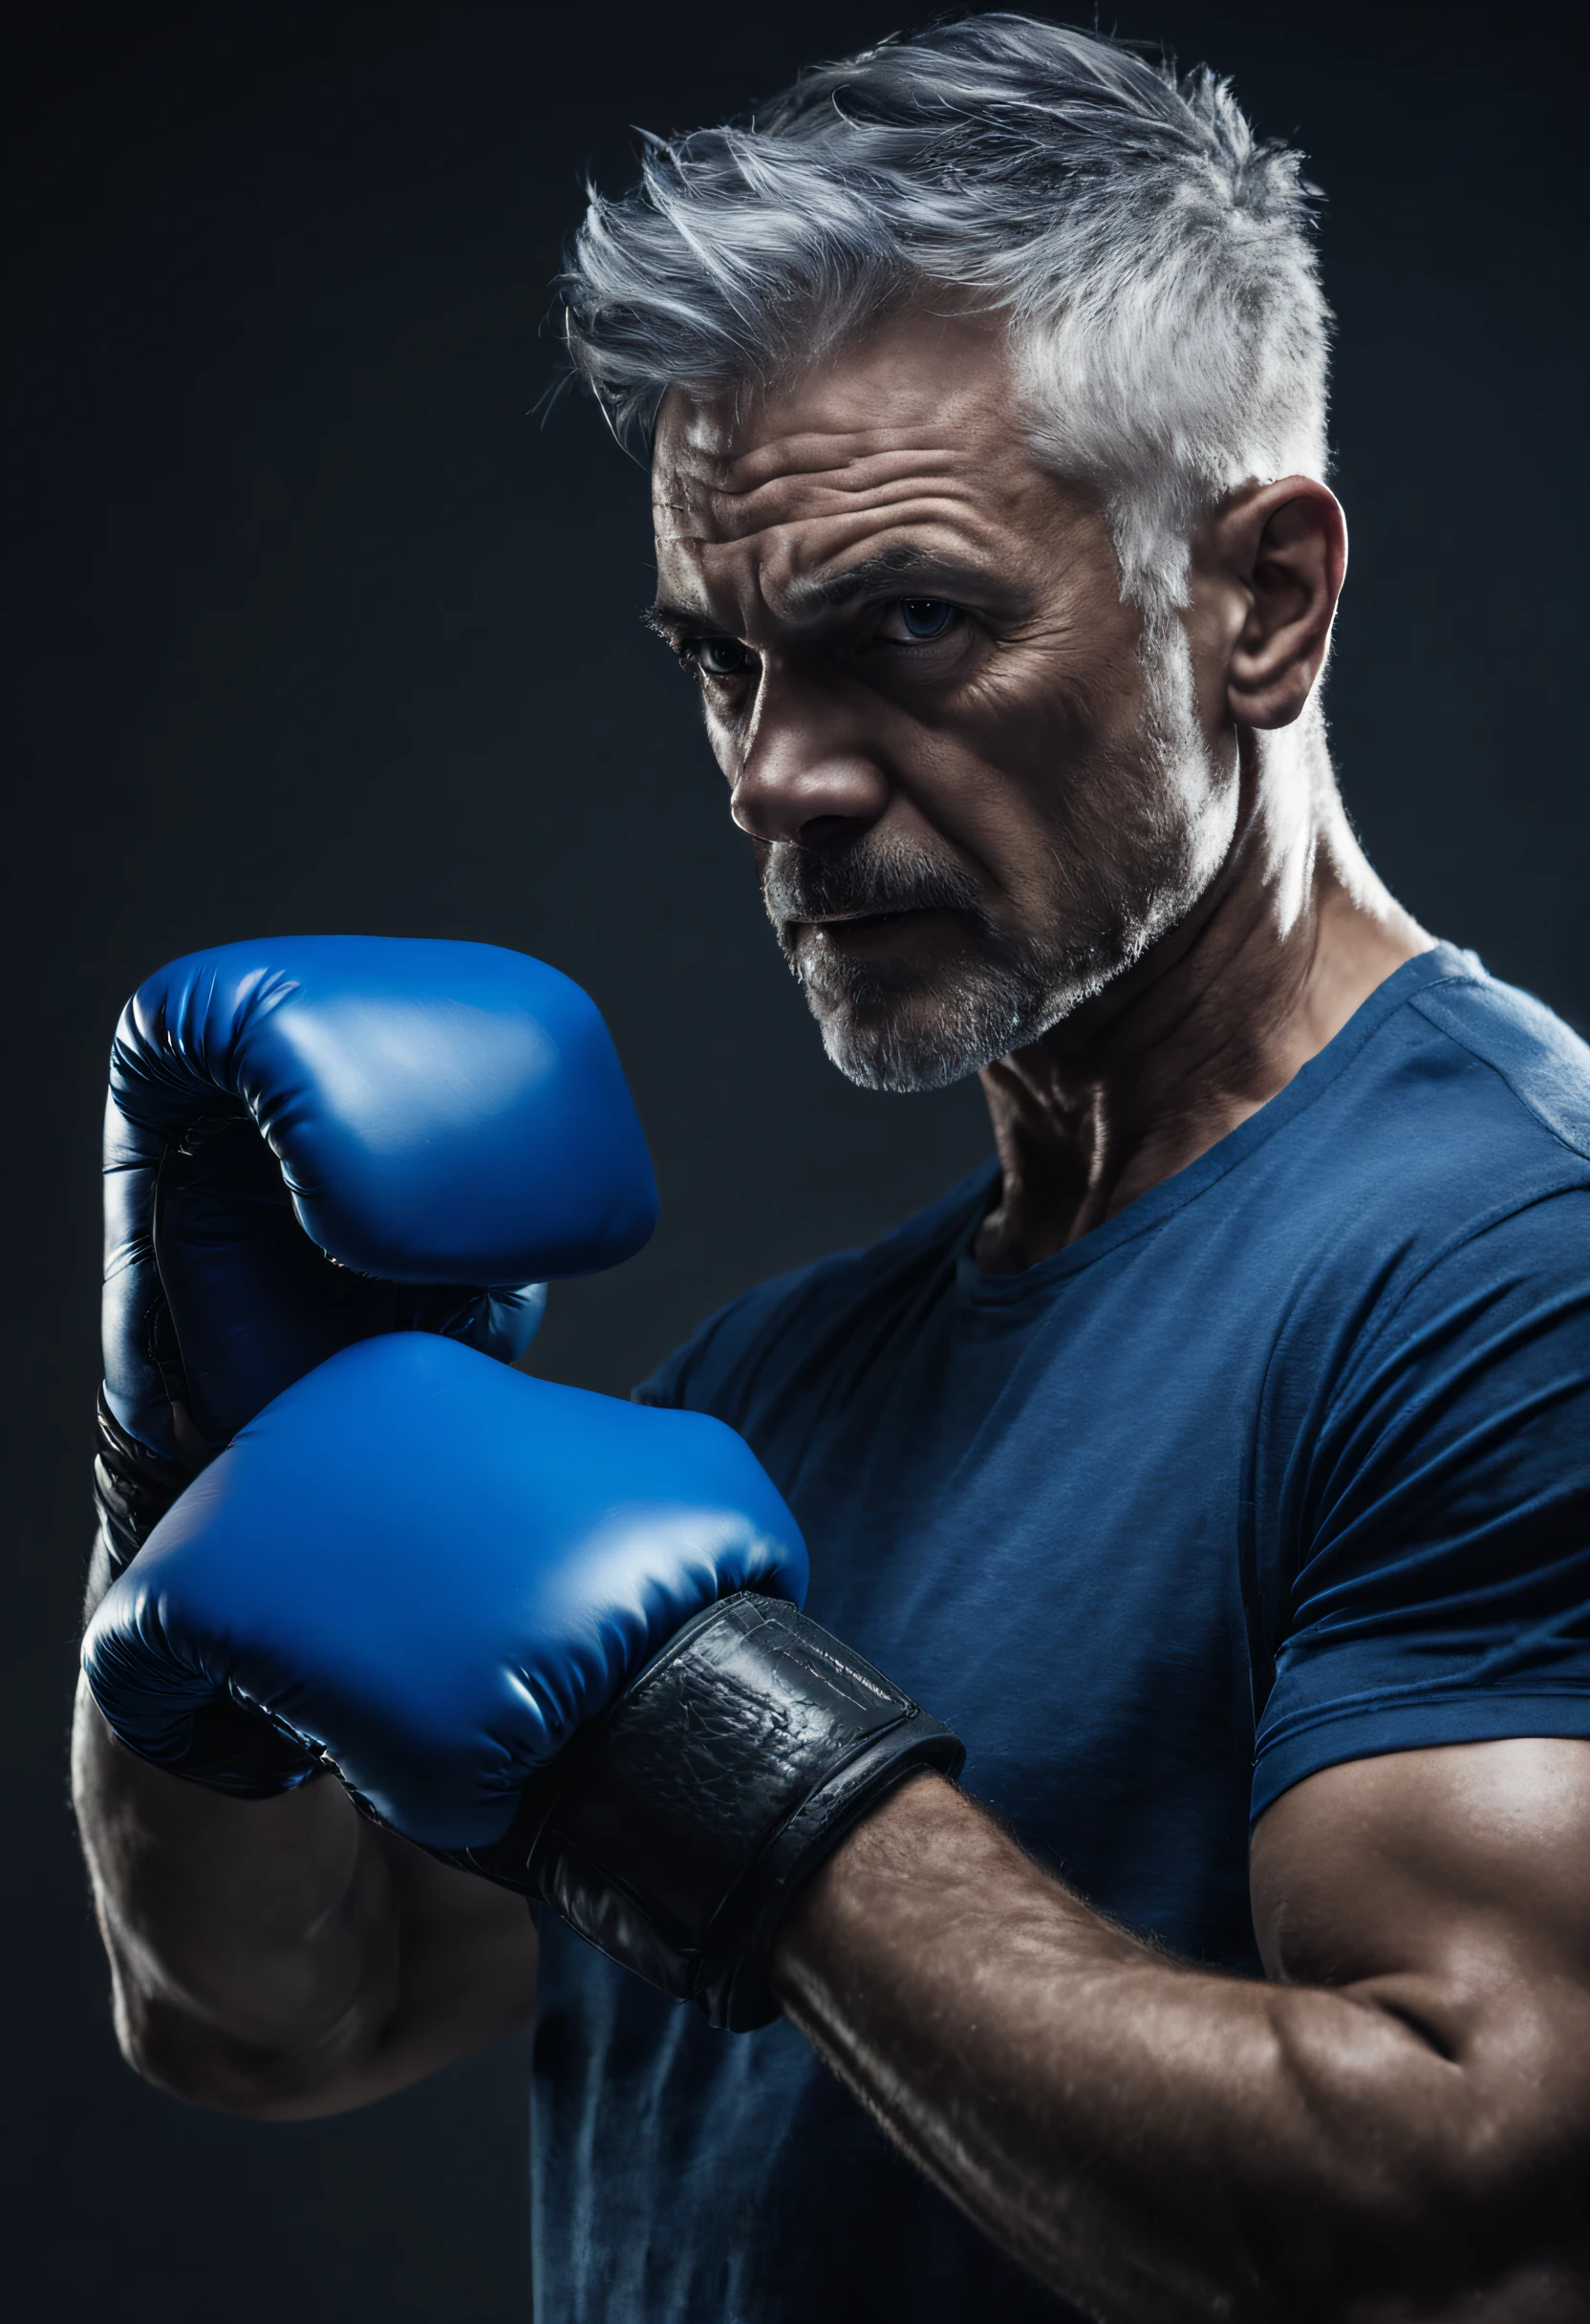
[1440, 1517]
[713, 1370]
[666, 1384]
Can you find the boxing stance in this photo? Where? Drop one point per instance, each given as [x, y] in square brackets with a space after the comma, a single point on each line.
[1214, 1463]
[543, 1634]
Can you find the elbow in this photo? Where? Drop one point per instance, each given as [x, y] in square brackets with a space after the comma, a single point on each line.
[191, 2058]
[189, 2062]
[194, 2062]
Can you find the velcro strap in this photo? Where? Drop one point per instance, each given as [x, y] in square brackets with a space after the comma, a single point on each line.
[675, 1833]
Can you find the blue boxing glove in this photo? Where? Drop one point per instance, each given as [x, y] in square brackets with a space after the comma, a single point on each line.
[312, 1139]
[432, 1570]
[549, 1634]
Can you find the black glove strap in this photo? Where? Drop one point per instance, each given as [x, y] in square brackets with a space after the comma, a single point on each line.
[675, 1834]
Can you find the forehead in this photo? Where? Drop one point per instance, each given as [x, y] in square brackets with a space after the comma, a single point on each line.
[912, 437]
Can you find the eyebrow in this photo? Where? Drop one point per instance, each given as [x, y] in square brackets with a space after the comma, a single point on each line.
[829, 593]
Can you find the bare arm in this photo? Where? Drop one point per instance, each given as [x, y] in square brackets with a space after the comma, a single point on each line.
[281, 1957]
[1398, 2127]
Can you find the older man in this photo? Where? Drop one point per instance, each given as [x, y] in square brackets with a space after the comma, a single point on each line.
[1219, 1458]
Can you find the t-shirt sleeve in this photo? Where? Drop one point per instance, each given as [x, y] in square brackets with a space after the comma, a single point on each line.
[711, 1370]
[1440, 1516]
[666, 1383]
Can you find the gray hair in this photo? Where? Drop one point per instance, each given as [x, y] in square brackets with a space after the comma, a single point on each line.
[1154, 260]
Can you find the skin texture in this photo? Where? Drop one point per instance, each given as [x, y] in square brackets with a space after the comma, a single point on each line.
[1395, 2126]
[283, 1958]
[1395, 2129]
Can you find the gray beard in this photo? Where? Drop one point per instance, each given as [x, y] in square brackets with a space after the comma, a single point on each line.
[888, 1031]
[992, 1011]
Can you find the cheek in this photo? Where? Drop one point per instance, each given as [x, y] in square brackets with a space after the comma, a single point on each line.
[1013, 816]
[723, 737]
[1063, 702]
[1017, 771]
[1062, 792]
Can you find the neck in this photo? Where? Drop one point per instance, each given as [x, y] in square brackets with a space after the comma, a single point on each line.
[1218, 1016]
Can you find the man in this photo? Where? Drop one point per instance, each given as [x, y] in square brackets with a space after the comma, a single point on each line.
[1221, 1455]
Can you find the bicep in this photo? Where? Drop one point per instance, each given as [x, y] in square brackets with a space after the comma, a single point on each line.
[1451, 1886]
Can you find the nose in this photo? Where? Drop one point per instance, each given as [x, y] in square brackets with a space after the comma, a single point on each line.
[805, 773]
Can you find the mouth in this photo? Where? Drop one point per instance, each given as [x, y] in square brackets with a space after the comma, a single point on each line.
[847, 922]
[843, 925]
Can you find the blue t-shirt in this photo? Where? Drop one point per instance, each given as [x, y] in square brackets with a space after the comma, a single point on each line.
[1286, 1464]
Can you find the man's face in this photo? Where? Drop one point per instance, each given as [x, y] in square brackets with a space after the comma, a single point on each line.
[975, 799]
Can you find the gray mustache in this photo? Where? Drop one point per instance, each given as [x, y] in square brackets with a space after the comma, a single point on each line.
[798, 885]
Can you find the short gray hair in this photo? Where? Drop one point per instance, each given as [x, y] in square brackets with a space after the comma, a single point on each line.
[1154, 260]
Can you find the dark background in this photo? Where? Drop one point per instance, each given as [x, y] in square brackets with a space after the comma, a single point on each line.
[311, 624]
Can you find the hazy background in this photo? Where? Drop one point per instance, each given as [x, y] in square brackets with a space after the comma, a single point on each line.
[311, 624]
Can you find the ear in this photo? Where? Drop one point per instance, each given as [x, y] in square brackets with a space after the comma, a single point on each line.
[1285, 546]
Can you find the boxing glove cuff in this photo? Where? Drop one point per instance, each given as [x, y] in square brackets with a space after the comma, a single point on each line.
[677, 1831]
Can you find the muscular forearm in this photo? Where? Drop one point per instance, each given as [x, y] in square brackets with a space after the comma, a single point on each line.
[282, 1957]
[1154, 2141]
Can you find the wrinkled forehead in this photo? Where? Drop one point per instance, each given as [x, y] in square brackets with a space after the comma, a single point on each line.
[919, 412]
[795, 484]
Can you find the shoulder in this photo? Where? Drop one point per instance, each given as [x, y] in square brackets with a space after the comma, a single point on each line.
[1437, 1210]
[1533, 1069]
[815, 1318]
[1462, 1101]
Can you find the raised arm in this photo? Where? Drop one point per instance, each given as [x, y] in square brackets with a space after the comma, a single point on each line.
[282, 1957]
[310, 1142]
[1398, 2125]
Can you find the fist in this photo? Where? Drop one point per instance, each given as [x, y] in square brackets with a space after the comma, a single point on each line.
[312, 1139]
[430, 1572]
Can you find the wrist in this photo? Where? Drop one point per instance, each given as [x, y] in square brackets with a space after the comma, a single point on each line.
[677, 1834]
[918, 1843]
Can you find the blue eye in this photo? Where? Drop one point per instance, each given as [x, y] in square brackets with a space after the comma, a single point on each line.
[923, 617]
